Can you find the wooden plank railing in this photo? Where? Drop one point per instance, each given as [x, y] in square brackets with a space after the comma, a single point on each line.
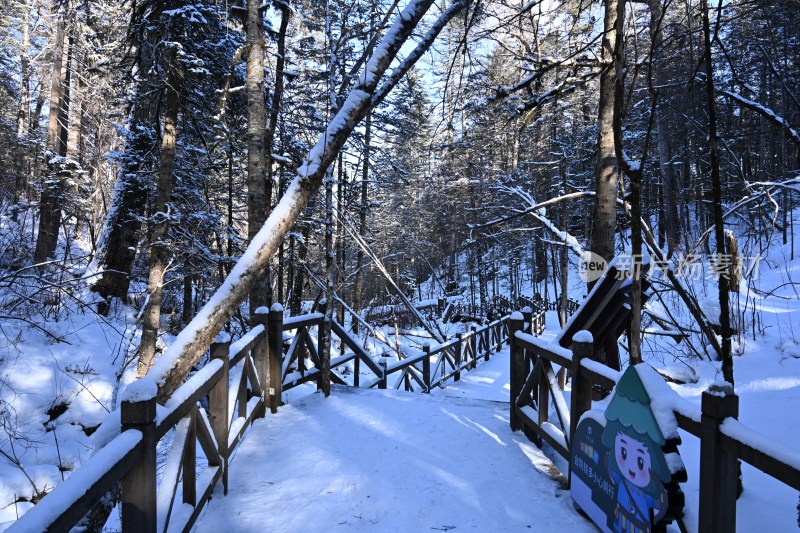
[238, 385]
[416, 371]
[240, 380]
[723, 439]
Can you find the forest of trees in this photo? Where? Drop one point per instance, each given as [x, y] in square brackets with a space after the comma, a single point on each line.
[144, 144]
[169, 167]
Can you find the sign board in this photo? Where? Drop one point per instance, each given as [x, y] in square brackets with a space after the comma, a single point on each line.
[618, 468]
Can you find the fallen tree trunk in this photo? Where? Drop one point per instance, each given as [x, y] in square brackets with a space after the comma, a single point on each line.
[171, 369]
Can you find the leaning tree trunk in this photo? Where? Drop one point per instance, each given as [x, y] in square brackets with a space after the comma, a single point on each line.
[159, 248]
[608, 167]
[370, 90]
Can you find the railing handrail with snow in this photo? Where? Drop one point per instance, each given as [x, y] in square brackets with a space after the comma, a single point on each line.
[417, 369]
[130, 457]
[241, 379]
[723, 439]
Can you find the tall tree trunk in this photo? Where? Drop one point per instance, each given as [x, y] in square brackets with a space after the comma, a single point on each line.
[716, 191]
[340, 248]
[23, 111]
[635, 339]
[257, 199]
[563, 259]
[362, 218]
[665, 127]
[608, 166]
[330, 274]
[50, 203]
[116, 249]
[159, 247]
[274, 110]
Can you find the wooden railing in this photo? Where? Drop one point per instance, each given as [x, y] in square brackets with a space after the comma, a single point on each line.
[417, 370]
[236, 380]
[723, 439]
[240, 380]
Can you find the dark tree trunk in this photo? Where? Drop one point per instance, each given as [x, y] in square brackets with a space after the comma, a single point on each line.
[116, 250]
[665, 127]
[57, 133]
[362, 219]
[716, 191]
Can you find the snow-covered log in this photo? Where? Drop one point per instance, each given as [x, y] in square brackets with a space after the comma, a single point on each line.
[170, 370]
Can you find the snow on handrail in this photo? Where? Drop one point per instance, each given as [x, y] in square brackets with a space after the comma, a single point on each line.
[293, 322]
[760, 442]
[601, 369]
[201, 379]
[84, 485]
[544, 345]
[245, 340]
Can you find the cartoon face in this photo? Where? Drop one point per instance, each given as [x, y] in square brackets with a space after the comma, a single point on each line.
[633, 459]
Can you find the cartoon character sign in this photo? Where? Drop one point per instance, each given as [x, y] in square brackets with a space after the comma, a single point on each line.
[618, 464]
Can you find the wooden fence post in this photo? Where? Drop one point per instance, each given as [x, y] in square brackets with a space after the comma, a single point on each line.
[473, 342]
[459, 355]
[718, 467]
[218, 404]
[487, 342]
[323, 330]
[515, 323]
[542, 390]
[189, 460]
[261, 359]
[382, 362]
[139, 508]
[426, 367]
[527, 316]
[581, 398]
[275, 341]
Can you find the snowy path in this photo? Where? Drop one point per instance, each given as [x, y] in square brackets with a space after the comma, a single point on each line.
[390, 461]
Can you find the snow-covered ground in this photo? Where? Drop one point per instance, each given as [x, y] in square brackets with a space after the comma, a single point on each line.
[361, 459]
[410, 449]
[372, 460]
[53, 395]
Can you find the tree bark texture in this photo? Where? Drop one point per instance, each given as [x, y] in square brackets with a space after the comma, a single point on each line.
[608, 166]
[159, 247]
[257, 199]
[50, 202]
